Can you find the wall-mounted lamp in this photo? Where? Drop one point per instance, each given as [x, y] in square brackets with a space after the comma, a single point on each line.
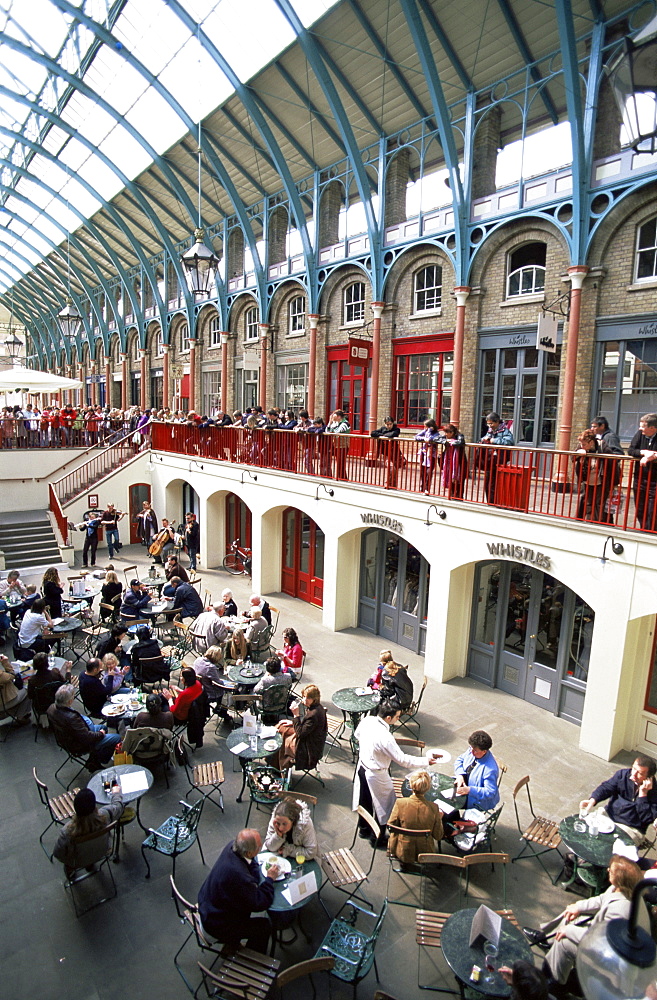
[616, 548]
[197, 464]
[327, 489]
[439, 513]
[247, 473]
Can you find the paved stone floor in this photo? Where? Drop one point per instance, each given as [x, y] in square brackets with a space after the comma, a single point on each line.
[125, 947]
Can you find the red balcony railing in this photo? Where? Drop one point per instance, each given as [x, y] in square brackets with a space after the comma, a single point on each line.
[56, 509]
[102, 462]
[600, 489]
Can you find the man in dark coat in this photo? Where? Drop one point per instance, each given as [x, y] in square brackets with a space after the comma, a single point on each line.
[644, 447]
[233, 891]
[185, 598]
[77, 733]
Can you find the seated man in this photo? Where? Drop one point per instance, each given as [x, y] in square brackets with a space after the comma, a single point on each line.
[135, 600]
[34, 631]
[573, 924]
[185, 599]
[148, 648]
[476, 773]
[210, 627]
[259, 603]
[94, 691]
[632, 796]
[89, 818]
[173, 568]
[233, 891]
[273, 675]
[256, 633]
[77, 733]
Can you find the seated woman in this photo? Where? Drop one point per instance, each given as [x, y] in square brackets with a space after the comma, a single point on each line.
[113, 643]
[292, 653]
[89, 818]
[415, 813]
[180, 700]
[111, 588]
[210, 671]
[155, 715]
[291, 831]
[43, 674]
[111, 668]
[13, 701]
[396, 685]
[304, 737]
[230, 607]
[273, 675]
[385, 657]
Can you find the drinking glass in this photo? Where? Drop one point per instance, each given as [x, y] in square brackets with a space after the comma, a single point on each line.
[490, 951]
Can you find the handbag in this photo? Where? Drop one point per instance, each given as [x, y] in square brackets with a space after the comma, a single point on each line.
[136, 438]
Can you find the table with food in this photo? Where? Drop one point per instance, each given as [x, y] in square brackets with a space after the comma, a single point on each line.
[248, 747]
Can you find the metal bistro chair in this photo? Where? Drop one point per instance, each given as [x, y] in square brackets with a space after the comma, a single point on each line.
[209, 775]
[408, 715]
[344, 871]
[247, 974]
[405, 868]
[176, 835]
[540, 835]
[274, 701]
[353, 949]
[42, 699]
[264, 783]
[60, 808]
[481, 839]
[82, 871]
[188, 914]
[263, 649]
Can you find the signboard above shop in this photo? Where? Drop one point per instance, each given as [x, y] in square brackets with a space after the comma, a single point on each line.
[360, 351]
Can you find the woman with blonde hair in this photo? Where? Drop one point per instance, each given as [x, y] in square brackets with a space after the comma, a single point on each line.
[52, 590]
[304, 737]
[385, 657]
[109, 591]
[415, 813]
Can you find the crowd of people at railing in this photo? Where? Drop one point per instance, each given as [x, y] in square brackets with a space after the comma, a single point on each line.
[67, 426]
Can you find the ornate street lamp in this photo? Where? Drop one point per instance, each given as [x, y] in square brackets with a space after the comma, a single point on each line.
[632, 72]
[70, 321]
[616, 959]
[199, 262]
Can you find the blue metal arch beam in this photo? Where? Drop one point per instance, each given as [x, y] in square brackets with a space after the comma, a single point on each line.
[46, 316]
[581, 169]
[305, 100]
[29, 305]
[442, 115]
[313, 54]
[128, 184]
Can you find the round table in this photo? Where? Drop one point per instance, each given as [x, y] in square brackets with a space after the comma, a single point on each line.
[248, 753]
[95, 783]
[237, 676]
[440, 783]
[153, 581]
[594, 851]
[127, 711]
[454, 942]
[27, 670]
[67, 627]
[280, 908]
[353, 705]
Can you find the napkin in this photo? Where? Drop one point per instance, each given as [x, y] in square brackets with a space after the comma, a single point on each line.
[300, 889]
[240, 746]
[625, 850]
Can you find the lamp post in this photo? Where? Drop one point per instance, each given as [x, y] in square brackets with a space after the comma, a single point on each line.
[616, 959]
[632, 72]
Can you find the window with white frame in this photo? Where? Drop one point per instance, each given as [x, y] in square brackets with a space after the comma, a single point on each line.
[184, 338]
[297, 322]
[159, 344]
[526, 270]
[211, 392]
[354, 302]
[428, 290]
[251, 320]
[646, 251]
[215, 332]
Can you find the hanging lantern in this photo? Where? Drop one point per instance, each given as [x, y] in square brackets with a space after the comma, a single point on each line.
[70, 321]
[200, 265]
[632, 73]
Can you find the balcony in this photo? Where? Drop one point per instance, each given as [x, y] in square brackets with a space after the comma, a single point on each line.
[562, 486]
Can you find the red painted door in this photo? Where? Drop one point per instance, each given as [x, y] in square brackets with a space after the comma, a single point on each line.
[238, 522]
[138, 493]
[303, 557]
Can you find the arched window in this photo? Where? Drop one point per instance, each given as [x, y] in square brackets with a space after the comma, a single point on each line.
[526, 270]
[251, 320]
[428, 289]
[354, 302]
[184, 338]
[297, 322]
[646, 251]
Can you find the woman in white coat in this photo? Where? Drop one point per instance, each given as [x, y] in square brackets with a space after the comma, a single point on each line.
[373, 788]
[291, 831]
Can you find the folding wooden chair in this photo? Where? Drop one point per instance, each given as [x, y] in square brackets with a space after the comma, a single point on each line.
[540, 835]
[344, 871]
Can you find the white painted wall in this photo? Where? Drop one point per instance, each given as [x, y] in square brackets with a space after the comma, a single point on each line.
[24, 475]
[114, 489]
[622, 591]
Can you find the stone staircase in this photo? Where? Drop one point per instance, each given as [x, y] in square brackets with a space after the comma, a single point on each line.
[28, 541]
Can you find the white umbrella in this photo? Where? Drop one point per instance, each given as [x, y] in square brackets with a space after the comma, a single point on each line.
[31, 380]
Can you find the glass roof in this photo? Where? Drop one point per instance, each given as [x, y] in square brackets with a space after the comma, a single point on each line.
[118, 113]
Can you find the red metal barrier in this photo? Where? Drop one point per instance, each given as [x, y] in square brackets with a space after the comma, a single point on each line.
[600, 489]
[56, 509]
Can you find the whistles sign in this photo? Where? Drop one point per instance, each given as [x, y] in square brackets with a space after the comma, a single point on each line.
[360, 351]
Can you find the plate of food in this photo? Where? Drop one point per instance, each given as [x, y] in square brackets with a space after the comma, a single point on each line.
[267, 861]
[112, 710]
[444, 756]
[270, 745]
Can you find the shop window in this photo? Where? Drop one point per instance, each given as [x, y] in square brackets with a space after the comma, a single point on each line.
[627, 386]
[297, 316]
[184, 338]
[646, 252]
[428, 289]
[251, 320]
[159, 344]
[354, 302]
[423, 388]
[526, 270]
[214, 332]
[211, 392]
[292, 384]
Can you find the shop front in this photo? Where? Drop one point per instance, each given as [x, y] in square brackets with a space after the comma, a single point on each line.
[531, 637]
[394, 589]
[626, 371]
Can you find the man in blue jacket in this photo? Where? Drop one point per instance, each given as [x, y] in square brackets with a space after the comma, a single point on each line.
[233, 891]
[632, 796]
[186, 599]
